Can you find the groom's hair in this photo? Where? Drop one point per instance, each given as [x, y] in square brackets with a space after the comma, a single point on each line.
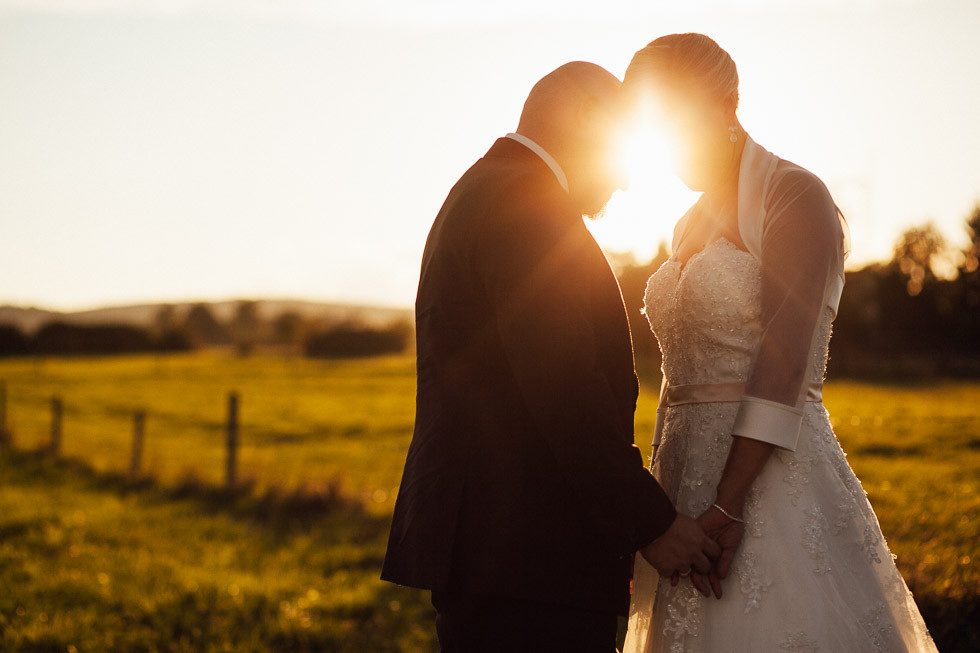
[690, 61]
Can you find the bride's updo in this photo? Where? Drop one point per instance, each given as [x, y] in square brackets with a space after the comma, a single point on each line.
[686, 86]
[691, 61]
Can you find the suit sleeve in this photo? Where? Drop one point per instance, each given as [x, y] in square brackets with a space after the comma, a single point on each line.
[533, 261]
[801, 259]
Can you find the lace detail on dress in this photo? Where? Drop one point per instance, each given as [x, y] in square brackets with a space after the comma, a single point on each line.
[799, 642]
[684, 616]
[798, 466]
[845, 512]
[813, 539]
[876, 627]
[870, 543]
[753, 516]
[751, 581]
[700, 479]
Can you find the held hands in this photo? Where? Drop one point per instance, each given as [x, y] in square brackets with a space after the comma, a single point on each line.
[728, 534]
[684, 546]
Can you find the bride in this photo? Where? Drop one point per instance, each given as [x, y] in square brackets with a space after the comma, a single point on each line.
[743, 311]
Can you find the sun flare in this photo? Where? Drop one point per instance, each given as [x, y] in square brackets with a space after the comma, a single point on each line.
[638, 219]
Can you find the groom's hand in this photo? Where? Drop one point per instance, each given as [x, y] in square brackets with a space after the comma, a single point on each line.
[684, 546]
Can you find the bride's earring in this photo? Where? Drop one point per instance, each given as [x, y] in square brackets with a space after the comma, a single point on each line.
[733, 134]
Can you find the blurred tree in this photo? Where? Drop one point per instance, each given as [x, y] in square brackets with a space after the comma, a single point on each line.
[965, 320]
[167, 332]
[919, 253]
[165, 319]
[356, 341]
[918, 315]
[970, 267]
[173, 339]
[245, 326]
[287, 328]
[203, 329]
[13, 342]
[62, 338]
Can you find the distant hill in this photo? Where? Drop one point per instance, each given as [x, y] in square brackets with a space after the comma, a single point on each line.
[30, 319]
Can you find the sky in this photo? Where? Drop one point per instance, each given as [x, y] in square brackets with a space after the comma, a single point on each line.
[214, 149]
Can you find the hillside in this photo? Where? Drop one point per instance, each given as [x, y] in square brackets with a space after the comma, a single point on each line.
[31, 318]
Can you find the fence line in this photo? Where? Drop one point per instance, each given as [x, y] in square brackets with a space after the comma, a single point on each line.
[57, 410]
[54, 444]
[4, 433]
[231, 439]
[139, 419]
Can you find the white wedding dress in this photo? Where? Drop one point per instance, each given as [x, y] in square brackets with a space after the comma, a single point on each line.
[813, 572]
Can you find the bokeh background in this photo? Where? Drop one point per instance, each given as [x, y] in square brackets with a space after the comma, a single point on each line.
[212, 215]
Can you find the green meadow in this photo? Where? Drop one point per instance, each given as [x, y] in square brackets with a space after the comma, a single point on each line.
[92, 559]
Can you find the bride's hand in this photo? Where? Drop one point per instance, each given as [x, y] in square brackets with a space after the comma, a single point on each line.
[728, 534]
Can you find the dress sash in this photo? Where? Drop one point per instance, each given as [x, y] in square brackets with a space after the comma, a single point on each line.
[701, 393]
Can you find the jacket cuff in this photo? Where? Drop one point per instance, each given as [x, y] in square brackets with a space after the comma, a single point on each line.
[656, 512]
[768, 421]
[654, 527]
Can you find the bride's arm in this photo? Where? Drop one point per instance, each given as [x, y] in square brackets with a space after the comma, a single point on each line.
[746, 459]
[801, 258]
[802, 252]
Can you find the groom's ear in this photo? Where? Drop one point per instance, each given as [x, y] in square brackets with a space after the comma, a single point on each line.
[589, 112]
[597, 117]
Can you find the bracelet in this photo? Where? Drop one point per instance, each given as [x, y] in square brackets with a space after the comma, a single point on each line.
[725, 512]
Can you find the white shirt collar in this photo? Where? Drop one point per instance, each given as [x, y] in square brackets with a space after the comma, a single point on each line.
[543, 154]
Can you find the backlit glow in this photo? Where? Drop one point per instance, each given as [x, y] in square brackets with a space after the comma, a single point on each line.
[641, 217]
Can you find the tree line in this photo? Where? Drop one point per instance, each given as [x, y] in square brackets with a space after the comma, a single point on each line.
[245, 332]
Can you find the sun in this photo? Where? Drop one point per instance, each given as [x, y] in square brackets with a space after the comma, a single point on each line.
[638, 219]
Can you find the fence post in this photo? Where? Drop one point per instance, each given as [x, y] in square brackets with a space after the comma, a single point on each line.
[56, 411]
[139, 418]
[231, 437]
[4, 433]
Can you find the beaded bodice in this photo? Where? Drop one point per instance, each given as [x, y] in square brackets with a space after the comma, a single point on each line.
[706, 316]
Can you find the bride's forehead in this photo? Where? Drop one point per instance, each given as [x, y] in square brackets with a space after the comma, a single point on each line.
[673, 102]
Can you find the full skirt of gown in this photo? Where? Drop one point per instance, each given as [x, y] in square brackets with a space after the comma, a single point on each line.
[813, 572]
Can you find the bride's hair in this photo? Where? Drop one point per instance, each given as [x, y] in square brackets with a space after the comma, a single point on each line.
[692, 60]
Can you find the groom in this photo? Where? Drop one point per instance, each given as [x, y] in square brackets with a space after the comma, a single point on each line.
[523, 498]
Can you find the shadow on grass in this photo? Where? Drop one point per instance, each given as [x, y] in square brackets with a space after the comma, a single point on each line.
[889, 451]
[952, 621]
[375, 617]
[390, 619]
[275, 509]
[329, 431]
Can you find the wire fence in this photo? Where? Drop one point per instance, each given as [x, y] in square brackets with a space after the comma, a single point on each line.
[139, 419]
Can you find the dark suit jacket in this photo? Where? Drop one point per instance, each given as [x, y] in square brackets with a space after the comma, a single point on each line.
[522, 479]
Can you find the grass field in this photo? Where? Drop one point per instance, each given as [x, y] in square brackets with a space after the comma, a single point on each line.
[93, 561]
